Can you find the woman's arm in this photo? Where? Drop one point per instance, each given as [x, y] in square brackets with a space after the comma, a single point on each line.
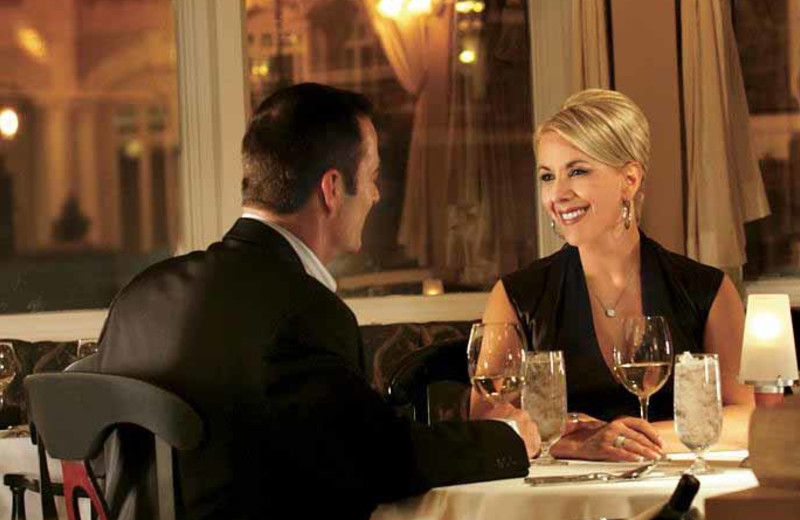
[723, 336]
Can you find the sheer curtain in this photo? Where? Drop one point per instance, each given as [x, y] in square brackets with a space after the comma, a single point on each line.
[491, 199]
[725, 187]
[418, 49]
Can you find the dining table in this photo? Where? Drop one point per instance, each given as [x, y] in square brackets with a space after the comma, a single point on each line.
[510, 499]
[19, 455]
[514, 499]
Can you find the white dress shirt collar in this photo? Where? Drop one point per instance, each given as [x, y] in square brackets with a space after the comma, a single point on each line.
[313, 266]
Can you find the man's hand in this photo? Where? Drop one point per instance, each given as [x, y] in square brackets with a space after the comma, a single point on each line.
[623, 439]
[526, 428]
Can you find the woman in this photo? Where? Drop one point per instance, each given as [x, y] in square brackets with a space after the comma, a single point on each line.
[593, 157]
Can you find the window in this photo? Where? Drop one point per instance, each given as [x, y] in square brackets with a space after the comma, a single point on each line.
[452, 94]
[89, 150]
[768, 38]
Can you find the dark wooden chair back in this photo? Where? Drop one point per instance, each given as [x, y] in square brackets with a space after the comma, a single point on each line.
[438, 362]
[74, 413]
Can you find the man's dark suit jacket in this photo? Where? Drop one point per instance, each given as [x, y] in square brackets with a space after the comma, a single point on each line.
[271, 359]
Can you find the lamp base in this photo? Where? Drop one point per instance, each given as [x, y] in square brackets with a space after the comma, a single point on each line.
[768, 396]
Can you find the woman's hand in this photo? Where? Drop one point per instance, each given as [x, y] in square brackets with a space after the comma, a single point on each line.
[623, 439]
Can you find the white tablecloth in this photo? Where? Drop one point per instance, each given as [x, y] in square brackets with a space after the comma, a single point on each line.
[19, 455]
[514, 500]
[506, 499]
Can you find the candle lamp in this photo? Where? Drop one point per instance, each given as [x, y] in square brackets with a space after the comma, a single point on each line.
[769, 359]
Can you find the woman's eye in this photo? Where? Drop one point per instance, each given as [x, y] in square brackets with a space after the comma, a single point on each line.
[546, 177]
[577, 171]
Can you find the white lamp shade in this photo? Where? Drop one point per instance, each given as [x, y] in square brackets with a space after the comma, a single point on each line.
[768, 353]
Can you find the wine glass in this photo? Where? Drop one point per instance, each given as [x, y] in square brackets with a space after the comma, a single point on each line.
[544, 397]
[86, 347]
[698, 405]
[495, 359]
[9, 368]
[643, 357]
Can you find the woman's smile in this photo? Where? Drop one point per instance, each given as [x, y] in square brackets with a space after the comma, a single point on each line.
[570, 216]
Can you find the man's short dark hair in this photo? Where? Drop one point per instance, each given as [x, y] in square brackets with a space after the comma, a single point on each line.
[295, 135]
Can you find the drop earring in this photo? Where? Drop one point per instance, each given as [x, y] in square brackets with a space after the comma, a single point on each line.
[626, 213]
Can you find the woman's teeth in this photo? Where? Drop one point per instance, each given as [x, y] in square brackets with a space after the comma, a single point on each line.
[570, 216]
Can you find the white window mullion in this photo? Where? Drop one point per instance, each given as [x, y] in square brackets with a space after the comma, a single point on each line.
[213, 94]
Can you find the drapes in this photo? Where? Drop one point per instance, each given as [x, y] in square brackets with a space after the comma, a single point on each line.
[491, 200]
[418, 48]
[724, 184]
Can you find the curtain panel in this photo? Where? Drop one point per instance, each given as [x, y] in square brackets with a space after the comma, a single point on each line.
[418, 49]
[724, 184]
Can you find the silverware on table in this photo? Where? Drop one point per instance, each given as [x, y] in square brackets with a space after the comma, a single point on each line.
[600, 476]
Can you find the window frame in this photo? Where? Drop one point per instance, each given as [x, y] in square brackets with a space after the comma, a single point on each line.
[213, 103]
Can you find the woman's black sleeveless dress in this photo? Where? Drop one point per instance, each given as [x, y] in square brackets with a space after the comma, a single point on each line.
[552, 303]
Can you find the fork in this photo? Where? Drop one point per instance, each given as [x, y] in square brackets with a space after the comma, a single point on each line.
[599, 476]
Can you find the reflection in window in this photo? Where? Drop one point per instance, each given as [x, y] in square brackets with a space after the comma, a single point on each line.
[457, 193]
[88, 186]
[768, 38]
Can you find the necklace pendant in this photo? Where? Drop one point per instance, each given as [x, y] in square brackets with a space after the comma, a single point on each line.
[611, 313]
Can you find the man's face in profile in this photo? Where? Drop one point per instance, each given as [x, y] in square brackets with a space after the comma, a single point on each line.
[356, 207]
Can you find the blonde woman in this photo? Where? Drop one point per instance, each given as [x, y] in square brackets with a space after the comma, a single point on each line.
[593, 157]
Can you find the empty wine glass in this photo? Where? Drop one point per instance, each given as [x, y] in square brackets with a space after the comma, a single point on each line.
[9, 368]
[544, 397]
[698, 405]
[643, 357]
[495, 359]
[86, 347]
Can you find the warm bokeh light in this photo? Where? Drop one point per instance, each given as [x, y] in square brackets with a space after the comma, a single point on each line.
[390, 8]
[464, 6]
[9, 123]
[467, 56]
[469, 6]
[432, 287]
[419, 6]
[32, 42]
[133, 149]
[260, 69]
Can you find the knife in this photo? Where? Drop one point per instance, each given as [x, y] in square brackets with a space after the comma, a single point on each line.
[601, 476]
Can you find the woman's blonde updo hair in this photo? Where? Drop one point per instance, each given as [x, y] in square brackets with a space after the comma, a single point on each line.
[605, 125]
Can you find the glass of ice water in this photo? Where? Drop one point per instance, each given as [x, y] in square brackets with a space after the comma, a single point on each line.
[495, 359]
[698, 405]
[544, 397]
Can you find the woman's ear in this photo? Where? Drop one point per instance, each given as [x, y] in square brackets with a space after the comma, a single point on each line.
[632, 177]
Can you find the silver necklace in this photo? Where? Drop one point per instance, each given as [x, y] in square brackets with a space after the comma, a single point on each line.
[611, 310]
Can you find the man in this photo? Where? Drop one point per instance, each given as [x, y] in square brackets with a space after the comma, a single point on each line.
[251, 333]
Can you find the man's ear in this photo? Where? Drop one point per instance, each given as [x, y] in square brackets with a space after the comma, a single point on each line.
[332, 190]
